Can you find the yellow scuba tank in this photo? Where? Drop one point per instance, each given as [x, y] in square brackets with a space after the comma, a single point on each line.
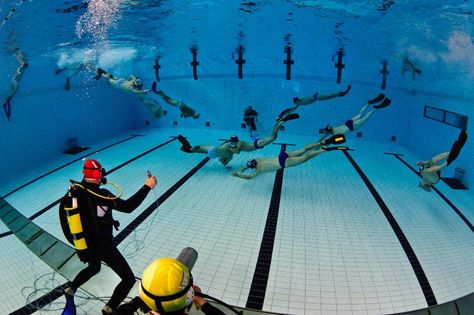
[71, 222]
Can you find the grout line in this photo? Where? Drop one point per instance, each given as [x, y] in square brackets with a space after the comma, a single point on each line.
[415, 263]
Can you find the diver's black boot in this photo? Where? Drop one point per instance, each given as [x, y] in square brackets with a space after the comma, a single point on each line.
[377, 99]
[186, 146]
[385, 103]
[344, 93]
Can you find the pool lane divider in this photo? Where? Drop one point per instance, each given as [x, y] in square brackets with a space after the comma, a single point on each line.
[59, 290]
[69, 163]
[258, 287]
[458, 212]
[42, 211]
[415, 263]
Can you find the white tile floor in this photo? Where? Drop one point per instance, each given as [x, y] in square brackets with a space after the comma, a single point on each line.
[334, 251]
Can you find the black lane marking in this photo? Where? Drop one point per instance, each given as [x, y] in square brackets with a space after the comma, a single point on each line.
[40, 212]
[258, 287]
[148, 211]
[458, 212]
[415, 263]
[59, 291]
[67, 164]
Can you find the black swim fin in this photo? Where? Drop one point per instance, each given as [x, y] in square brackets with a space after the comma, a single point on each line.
[340, 148]
[290, 117]
[186, 146]
[385, 103]
[336, 139]
[377, 99]
[283, 114]
[456, 147]
[344, 93]
[70, 308]
[98, 73]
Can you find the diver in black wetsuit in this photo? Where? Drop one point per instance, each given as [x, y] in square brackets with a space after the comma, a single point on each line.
[250, 117]
[94, 205]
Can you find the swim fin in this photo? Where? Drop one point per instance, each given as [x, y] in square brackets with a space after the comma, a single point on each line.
[340, 148]
[344, 93]
[70, 308]
[99, 73]
[283, 114]
[336, 139]
[456, 147]
[377, 99]
[7, 107]
[186, 146]
[385, 103]
[290, 117]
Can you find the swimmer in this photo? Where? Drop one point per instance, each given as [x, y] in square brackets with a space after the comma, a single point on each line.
[72, 70]
[260, 143]
[186, 111]
[407, 65]
[431, 170]
[357, 121]
[15, 82]
[250, 119]
[223, 152]
[134, 85]
[310, 100]
[291, 158]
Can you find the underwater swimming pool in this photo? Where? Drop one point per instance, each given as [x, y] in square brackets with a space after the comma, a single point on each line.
[341, 232]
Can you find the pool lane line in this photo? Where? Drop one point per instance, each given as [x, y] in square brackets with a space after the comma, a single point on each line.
[148, 211]
[415, 263]
[69, 163]
[458, 212]
[42, 211]
[258, 287]
[59, 290]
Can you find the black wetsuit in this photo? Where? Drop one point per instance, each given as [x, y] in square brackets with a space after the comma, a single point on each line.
[209, 309]
[100, 240]
[249, 118]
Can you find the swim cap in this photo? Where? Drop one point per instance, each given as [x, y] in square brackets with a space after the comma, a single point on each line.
[167, 286]
[92, 170]
[234, 138]
[252, 163]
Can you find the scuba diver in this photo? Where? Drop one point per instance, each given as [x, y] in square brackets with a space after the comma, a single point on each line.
[15, 82]
[430, 170]
[87, 222]
[186, 111]
[291, 158]
[310, 100]
[167, 287]
[357, 121]
[134, 85]
[250, 118]
[239, 146]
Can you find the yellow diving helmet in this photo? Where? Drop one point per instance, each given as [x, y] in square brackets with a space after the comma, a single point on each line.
[167, 286]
